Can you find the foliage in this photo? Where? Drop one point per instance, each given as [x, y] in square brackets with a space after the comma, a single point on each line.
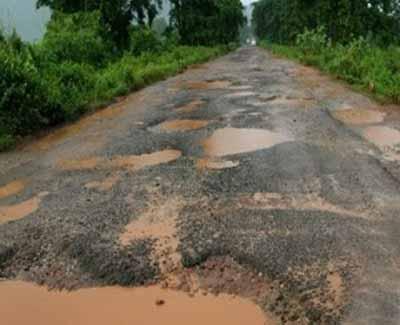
[207, 22]
[116, 15]
[282, 20]
[359, 62]
[75, 37]
[144, 40]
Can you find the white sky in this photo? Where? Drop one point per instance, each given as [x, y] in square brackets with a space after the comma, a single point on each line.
[246, 2]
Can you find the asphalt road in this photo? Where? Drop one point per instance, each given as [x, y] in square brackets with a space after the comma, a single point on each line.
[260, 177]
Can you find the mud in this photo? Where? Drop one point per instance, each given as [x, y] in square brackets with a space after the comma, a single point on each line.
[216, 164]
[382, 136]
[20, 210]
[104, 185]
[204, 85]
[191, 106]
[359, 116]
[182, 125]
[23, 303]
[133, 163]
[11, 189]
[230, 141]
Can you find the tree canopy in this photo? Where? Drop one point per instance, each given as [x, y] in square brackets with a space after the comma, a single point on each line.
[282, 20]
[117, 15]
[207, 22]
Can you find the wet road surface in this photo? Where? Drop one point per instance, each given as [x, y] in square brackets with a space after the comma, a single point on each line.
[251, 183]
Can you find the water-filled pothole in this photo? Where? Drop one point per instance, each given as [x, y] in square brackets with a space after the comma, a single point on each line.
[358, 116]
[23, 303]
[382, 136]
[181, 125]
[11, 189]
[230, 141]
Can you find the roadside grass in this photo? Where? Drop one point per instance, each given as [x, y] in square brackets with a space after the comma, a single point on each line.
[365, 66]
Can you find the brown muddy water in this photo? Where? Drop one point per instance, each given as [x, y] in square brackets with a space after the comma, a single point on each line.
[105, 184]
[358, 116]
[382, 136]
[182, 125]
[11, 189]
[133, 163]
[230, 141]
[203, 85]
[24, 303]
[190, 107]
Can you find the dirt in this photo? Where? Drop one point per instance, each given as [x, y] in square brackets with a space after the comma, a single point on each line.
[230, 141]
[105, 184]
[22, 303]
[216, 164]
[191, 106]
[182, 125]
[133, 163]
[359, 116]
[11, 188]
[20, 210]
[382, 136]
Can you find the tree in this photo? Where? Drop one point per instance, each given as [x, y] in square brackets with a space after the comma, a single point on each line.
[207, 22]
[282, 20]
[117, 15]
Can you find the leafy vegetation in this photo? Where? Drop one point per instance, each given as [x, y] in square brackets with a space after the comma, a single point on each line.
[359, 62]
[84, 61]
[280, 21]
[354, 40]
[208, 22]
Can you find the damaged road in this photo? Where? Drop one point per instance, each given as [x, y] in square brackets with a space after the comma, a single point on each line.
[251, 183]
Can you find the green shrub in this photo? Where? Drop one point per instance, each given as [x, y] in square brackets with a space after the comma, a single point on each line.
[22, 93]
[144, 40]
[77, 38]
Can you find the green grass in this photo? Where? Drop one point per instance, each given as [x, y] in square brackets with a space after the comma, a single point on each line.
[365, 66]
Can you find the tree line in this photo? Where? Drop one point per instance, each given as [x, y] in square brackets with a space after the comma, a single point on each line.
[343, 20]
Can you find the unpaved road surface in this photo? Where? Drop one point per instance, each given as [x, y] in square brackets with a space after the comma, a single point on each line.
[249, 176]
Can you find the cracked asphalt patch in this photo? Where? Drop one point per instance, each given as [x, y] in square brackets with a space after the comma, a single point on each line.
[244, 177]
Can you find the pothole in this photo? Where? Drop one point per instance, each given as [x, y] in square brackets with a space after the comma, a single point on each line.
[11, 189]
[203, 85]
[20, 210]
[230, 141]
[133, 163]
[105, 184]
[358, 116]
[158, 223]
[181, 125]
[216, 164]
[382, 136]
[190, 107]
[23, 303]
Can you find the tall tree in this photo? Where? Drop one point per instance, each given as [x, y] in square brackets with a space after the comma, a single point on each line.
[207, 22]
[282, 20]
[117, 15]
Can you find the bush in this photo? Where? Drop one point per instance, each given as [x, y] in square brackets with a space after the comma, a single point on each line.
[77, 38]
[144, 40]
[22, 93]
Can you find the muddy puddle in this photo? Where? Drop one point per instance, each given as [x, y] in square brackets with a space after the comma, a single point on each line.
[23, 303]
[11, 189]
[358, 116]
[230, 141]
[133, 163]
[382, 136]
[181, 125]
[203, 85]
[216, 164]
[191, 107]
[105, 184]
[20, 210]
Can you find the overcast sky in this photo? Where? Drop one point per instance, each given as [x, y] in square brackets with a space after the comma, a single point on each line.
[246, 2]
